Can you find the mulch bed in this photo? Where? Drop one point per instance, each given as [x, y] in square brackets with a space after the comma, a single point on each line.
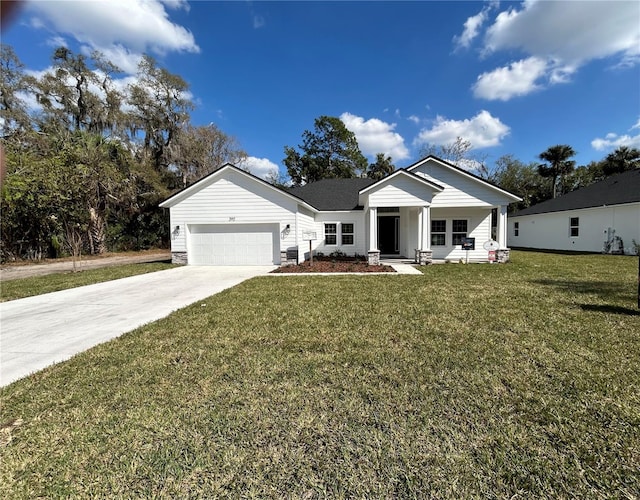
[324, 265]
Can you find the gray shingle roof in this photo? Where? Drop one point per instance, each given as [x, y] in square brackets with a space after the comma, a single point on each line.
[332, 194]
[614, 190]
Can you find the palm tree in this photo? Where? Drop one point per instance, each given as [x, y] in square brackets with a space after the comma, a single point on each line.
[382, 167]
[559, 164]
[622, 159]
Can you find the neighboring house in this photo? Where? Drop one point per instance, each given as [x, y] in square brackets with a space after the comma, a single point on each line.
[604, 216]
[423, 211]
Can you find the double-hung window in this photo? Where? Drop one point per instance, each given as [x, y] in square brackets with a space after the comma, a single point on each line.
[438, 233]
[459, 231]
[346, 233]
[574, 227]
[330, 234]
[516, 228]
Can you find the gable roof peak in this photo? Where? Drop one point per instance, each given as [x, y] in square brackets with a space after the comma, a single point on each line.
[461, 171]
[405, 172]
[203, 181]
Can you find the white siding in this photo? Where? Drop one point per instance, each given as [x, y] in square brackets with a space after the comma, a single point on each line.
[400, 191]
[550, 231]
[233, 198]
[459, 190]
[306, 222]
[356, 218]
[408, 231]
[478, 227]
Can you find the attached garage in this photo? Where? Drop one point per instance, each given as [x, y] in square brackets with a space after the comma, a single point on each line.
[234, 244]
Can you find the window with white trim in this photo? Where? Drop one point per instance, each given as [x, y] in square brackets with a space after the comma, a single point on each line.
[330, 234]
[346, 233]
[574, 227]
[516, 228]
[458, 231]
[438, 233]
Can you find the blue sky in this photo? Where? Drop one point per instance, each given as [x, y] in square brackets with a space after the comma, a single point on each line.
[510, 77]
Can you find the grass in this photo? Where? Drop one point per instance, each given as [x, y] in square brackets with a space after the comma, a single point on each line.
[471, 381]
[37, 285]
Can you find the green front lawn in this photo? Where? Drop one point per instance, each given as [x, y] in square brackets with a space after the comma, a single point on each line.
[37, 285]
[498, 381]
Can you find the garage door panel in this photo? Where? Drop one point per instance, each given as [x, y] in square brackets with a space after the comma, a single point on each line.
[228, 245]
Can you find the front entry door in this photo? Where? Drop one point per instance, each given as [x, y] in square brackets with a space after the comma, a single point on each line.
[388, 234]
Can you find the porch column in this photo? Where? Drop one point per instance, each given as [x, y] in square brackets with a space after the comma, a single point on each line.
[502, 255]
[373, 229]
[424, 255]
[501, 229]
[374, 253]
[425, 216]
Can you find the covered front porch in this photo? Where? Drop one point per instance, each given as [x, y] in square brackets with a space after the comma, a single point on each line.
[412, 215]
[426, 234]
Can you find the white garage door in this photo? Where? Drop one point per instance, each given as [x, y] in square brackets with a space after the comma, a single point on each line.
[233, 244]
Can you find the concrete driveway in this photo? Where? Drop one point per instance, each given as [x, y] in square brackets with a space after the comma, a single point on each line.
[38, 331]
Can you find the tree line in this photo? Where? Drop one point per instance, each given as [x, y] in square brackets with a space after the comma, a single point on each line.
[330, 151]
[88, 158]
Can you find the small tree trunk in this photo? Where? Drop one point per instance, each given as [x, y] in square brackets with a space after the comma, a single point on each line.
[97, 232]
[73, 237]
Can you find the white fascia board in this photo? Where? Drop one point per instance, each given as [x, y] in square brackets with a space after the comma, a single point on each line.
[406, 173]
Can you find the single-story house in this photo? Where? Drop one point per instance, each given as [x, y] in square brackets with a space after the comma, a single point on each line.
[424, 211]
[601, 217]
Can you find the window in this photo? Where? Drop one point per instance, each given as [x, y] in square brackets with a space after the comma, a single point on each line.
[347, 234]
[516, 228]
[438, 233]
[574, 226]
[330, 232]
[459, 231]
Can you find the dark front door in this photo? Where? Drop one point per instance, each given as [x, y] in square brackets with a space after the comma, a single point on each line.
[388, 234]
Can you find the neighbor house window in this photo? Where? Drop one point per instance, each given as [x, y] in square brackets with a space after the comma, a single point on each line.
[330, 232]
[459, 231]
[438, 233]
[574, 226]
[347, 234]
[516, 228]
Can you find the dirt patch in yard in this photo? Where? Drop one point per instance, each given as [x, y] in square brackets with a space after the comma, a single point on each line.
[27, 269]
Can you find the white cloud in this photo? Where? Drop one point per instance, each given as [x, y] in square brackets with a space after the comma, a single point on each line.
[260, 167]
[482, 131]
[121, 28]
[519, 78]
[375, 136]
[414, 119]
[613, 141]
[57, 41]
[568, 31]
[558, 38]
[471, 29]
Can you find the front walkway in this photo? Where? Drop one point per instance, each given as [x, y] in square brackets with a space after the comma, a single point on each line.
[401, 265]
